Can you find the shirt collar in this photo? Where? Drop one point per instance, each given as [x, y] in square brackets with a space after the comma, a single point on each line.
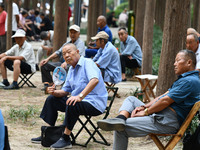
[103, 29]
[127, 40]
[80, 62]
[24, 44]
[189, 73]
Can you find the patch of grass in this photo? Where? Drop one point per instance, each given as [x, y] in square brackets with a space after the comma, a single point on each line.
[21, 114]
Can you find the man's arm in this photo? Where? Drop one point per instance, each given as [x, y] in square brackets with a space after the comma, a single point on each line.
[52, 56]
[57, 93]
[90, 86]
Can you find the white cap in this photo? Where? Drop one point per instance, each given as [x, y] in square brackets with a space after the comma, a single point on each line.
[19, 33]
[102, 35]
[74, 27]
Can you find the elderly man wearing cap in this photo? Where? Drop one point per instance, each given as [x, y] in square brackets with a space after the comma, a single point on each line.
[47, 67]
[47, 45]
[20, 59]
[107, 58]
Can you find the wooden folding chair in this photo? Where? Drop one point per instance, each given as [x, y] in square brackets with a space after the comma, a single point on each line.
[25, 79]
[176, 137]
[112, 85]
[94, 126]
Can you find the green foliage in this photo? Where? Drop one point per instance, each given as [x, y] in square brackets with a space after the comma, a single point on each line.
[120, 8]
[83, 31]
[157, 45]
[21, 114]
[137, 93]
[193, 125]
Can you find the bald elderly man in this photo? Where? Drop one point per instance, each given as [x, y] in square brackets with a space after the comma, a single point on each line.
[102, 26]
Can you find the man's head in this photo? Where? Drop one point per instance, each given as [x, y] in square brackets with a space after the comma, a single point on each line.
[101, 21]
[192, 31]
[123, 34]
[45, 35]
[42, 15]
[24, 13]
[192, 42]
[71, 54]
[101, 39]
[74, 32]
[185, 61]
[20, 37]
[1, 7]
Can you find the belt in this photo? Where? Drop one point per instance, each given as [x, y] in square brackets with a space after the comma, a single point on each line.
[172, 110]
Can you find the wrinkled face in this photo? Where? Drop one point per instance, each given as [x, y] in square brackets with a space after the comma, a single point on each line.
[122, 35]
[100, 22]
[181, 64]
[74, 35]
[70, 55]
[191, 44]
[98, 42]
[20, 40]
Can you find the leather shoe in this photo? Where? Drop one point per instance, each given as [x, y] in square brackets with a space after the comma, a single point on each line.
[62, 144]
[36, 140]
[116, 124]
[11, 87]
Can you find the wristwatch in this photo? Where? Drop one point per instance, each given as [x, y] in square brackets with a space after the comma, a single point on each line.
[81, 96]
[146, 112]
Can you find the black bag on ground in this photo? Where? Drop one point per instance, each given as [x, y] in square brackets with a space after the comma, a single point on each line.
[192, 142]
[51, 134]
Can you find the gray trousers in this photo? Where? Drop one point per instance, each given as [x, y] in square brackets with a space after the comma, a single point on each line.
[2, 43]
[163, 122]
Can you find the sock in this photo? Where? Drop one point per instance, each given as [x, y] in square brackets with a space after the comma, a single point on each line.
[66, 137]
[15, 82]
[121, 117]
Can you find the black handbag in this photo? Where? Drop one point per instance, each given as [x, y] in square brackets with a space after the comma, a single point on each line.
[51, 134]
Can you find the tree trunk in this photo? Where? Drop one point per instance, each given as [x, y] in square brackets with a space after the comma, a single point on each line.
[139, 21]
[132, 5]
[160, 13]
[198, 17]
[174, 35]
[60, 26]
[195, 13]
[26, 4]
[148, 37]
[34, 4]
[95, 10]
[9, 25]
[51, 10]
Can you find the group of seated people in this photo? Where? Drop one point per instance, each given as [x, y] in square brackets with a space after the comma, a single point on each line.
[84, 91]
[34, 22]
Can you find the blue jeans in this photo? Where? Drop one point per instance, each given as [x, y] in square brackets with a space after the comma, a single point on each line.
[90, 53]
[2, 131]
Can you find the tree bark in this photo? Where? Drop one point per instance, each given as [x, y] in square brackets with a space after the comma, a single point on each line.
[133, 5]
[60, 26]
[148, 37]
[174, 35]
[94, 11]
[195, 14]
[139, 21]
[9, 25]
[26, 4]
[160, 13]
[34, 4]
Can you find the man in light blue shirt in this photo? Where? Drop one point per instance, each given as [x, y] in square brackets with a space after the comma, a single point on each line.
[130, 52]
[107, 58]
[88, 95]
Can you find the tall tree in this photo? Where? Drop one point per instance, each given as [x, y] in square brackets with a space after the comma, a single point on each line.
[26, 4]
[132, 5]
[51, 10]
[60, 26]
[34, 4]
[160, 13]
[174, 35]
[139, 21]
[148, 37]
[9, 25]
[96, 8]
[196, 15]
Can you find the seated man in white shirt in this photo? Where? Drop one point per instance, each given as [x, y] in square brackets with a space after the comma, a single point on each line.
[19, 59]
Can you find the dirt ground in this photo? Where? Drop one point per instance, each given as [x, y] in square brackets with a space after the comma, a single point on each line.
[21, 132]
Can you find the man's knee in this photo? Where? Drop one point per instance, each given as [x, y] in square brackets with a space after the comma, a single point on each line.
[132, 99]
[16, 63]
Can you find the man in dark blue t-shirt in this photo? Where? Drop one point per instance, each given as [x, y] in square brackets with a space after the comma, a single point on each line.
[164, 114]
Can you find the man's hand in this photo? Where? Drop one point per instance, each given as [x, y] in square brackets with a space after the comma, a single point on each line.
[136, 110]
[73, 99]
[139, 114]
[51, 89]
[130, 57]
[64, 65]
[2, 60]
[43, 62]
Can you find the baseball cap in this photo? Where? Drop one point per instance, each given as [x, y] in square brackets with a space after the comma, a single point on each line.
[74, 27]
[19, 33]
[102, 35]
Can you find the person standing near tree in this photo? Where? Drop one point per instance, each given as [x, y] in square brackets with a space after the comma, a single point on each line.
[2, 29]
